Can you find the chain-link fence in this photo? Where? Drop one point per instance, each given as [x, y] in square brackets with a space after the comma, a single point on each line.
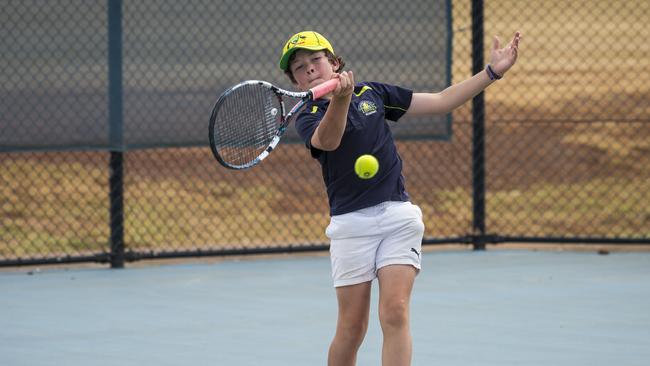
[104, 108]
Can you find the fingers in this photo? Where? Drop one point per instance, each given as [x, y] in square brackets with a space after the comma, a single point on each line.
[495, 43]
[514, 44]
[346, 83]
[346, 78]
[350, 76]
[515, 40]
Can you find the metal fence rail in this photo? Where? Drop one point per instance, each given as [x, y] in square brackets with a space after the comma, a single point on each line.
[103, 128]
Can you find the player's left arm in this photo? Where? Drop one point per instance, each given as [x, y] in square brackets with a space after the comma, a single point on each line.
[501, 60]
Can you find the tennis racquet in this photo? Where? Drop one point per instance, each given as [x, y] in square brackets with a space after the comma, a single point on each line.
[249, 119]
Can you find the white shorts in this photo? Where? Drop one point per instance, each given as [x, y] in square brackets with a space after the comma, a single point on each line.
[366, 240]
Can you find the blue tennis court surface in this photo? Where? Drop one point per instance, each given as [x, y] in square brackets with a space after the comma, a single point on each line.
[498, 307]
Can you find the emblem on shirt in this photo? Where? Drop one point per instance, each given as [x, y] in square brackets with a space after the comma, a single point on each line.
[367, 107]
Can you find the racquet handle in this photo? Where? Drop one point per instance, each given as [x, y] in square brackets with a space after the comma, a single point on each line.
[324, 88]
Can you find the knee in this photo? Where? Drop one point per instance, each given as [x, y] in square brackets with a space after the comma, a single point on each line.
[353, 332]
[394, 314]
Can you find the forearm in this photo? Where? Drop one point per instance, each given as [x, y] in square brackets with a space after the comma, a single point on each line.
[456, 95]
[449, 99]
[330, 130]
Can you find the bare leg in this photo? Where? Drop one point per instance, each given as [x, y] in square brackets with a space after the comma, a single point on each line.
[354, 310]
[395, 285]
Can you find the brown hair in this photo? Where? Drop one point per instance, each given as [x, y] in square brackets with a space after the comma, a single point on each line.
[330, 56]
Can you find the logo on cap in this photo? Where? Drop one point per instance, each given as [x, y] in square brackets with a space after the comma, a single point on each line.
[298, 39]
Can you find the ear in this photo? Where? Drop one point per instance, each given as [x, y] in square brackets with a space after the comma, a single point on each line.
[335, 64]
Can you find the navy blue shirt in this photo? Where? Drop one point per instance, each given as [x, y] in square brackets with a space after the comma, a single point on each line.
[366, 132]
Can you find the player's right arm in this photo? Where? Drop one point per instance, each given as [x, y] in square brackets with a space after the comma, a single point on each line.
[328, 134]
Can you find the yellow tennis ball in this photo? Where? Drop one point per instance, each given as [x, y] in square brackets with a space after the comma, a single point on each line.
[366, 166]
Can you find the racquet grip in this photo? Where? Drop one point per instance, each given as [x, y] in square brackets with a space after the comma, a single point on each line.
[324, 88]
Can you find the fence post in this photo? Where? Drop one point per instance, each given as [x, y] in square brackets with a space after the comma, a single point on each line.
[115, 113]
[478, 132]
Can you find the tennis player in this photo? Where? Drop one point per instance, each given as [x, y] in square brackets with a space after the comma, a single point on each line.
[374, 231]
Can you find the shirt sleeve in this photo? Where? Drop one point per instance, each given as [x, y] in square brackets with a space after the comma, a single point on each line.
[397, 100]
[306, 124]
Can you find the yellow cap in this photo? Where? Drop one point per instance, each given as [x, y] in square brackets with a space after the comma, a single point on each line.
[307, 40]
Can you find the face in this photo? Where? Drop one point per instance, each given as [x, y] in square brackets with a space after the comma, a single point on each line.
[311, 68]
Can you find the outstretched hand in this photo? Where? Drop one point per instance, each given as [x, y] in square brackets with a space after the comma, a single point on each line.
[502, 59]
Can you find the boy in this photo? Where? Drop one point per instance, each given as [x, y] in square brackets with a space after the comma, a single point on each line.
[374, 231]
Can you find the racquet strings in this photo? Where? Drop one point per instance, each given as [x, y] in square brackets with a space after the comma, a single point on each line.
[245, 123]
